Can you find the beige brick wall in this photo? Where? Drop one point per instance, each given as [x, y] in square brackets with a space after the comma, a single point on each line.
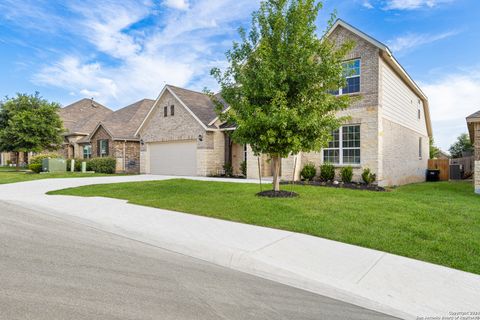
[237, 158]
[401, 161]
[476, 129]
[252, 165]
[182, 126]
[363, 111]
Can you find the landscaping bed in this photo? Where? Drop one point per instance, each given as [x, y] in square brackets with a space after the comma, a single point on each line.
[336, 184]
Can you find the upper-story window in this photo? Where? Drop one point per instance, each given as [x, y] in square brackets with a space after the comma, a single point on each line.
[165, 111]
[351, 72]
[172, 110]
[344, 147]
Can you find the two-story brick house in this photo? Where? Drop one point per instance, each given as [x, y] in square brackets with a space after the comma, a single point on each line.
[388, 130]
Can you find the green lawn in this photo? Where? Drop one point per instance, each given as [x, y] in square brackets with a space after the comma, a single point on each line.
[437, 222]
[9, 175]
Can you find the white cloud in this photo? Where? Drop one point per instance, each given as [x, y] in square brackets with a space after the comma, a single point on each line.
[412, 4]
[413, 40]
[183, 46]
[452, 98]
[367, 4]
[177, 4]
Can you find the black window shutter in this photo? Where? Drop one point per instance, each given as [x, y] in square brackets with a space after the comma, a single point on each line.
[107, 153]
[172, 110]
[98, 148]
[165, 111]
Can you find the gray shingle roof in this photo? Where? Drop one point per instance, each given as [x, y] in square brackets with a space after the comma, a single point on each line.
[123, 123]
[476, 115]
[199, 103]
[83, 116]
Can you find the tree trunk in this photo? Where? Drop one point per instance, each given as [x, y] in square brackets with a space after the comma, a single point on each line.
[276, 161]
[17, 167]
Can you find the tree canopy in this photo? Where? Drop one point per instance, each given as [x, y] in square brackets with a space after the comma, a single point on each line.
[461, 146]
[280, 80]
[29, 123]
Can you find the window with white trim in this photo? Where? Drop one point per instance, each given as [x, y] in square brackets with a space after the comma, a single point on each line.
[87, 151]
[351, 72]
[344, 147]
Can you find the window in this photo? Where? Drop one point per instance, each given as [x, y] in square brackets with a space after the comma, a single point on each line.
[165, 111]
[351, 72]
[344, 147]
[87, 151]
[245, 153]
[102, 148]
[172, 110]
[420, 148]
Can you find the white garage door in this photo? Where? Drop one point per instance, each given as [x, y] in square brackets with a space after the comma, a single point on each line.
[174, 158]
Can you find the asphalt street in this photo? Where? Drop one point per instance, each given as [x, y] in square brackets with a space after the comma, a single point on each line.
[57, 269]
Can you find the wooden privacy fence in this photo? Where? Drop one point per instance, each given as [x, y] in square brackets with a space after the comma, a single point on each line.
[443, 165]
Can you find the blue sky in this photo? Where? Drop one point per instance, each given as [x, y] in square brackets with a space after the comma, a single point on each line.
[122, 51]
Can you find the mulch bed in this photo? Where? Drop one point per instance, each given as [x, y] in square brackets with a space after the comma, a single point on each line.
[350, 185]
[277, 194]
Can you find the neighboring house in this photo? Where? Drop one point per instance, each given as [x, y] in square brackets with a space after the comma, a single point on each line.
[473, 122]
[388, 130]
[79, 119]
[182, 135]
[116, 137]
[443, 155]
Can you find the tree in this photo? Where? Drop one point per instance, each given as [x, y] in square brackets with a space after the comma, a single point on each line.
[434, 150]
[29, 123]
[280, 80]
[463, 144]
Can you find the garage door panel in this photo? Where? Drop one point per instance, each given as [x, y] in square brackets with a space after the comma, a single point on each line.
[174, 158]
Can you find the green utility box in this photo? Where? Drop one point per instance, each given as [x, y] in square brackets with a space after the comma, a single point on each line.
[54, 165]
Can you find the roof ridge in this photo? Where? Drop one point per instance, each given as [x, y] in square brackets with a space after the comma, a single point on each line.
[202, 93]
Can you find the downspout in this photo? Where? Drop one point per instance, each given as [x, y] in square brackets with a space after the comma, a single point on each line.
[124, 156]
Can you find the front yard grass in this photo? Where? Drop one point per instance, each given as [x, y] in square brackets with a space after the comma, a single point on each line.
[434, 222]
[11, 176]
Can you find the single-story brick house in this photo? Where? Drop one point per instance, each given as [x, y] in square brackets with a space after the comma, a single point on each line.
[388, 130]
[115, 137]
[473, 122]
[182, 135]
[79, 119]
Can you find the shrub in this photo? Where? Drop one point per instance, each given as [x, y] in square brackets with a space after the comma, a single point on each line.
[103, 165]
[228, 169]
[308, 172]
[327, 172]
[35, 167]
[243, 168]
[38, 159]
[347, 174]
[368, 177]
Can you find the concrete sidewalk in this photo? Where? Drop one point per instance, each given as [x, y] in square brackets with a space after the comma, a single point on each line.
[391, 284]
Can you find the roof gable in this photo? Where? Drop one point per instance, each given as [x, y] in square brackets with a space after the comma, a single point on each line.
[124, 123]
[387, 55]
[197, 104]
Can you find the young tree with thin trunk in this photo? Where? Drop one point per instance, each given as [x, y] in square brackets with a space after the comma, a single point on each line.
[29, 123]
[280, 80]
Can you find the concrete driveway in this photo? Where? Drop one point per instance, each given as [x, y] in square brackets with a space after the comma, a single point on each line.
[55, 269]
[375, 280]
